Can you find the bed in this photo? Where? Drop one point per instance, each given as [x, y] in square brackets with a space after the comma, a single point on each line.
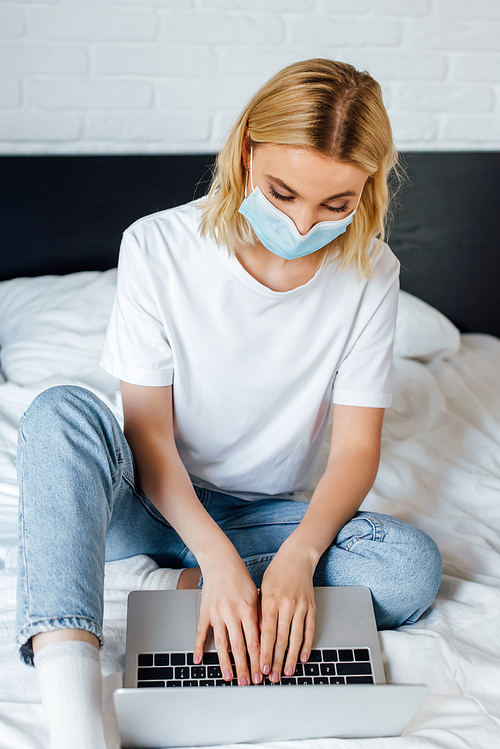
[60, 224]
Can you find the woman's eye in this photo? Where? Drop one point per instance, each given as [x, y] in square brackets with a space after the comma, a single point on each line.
[337, 210]
[288, 198]
[280, 197]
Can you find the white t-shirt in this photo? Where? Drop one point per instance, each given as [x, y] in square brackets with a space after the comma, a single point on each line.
[254, 371]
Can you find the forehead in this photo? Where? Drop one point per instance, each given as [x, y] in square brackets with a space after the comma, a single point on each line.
[305, 169]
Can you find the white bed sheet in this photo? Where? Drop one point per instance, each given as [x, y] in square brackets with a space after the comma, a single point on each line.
[440, 470]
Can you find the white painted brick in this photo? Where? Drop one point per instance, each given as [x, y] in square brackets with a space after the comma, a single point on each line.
[467, 9]
[406, 8]
[339, 7]
[39, 126]
[156, 60]
[443, 97]
[10, 93]
[397, 65]
[408, 128]
[184, 4]
[473, 127]
[477, 66]
[271, 6]
[99, 24]
[159, 127]
[181, 70]
[261, 61]
[456, 34]
[11, 22]
[211, 94]
[40, 58]
[387, 95]
[90, 94]
[105, 147]
[350, 8]
[338, 32]
[223, 121]
[200, 27]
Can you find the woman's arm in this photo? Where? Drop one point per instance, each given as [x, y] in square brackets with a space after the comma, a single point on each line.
[288, 608]
[229, 598]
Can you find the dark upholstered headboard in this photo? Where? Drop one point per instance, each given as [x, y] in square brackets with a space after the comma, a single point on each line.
[61, 214]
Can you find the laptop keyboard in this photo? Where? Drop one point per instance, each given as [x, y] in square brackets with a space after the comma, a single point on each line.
[336, 666]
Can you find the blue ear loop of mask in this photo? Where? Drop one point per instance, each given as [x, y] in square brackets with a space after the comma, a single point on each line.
[277, 231]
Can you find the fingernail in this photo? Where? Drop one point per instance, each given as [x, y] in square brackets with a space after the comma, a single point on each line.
[196, 658]
[266, 670]
[244, 682]
[304, 657]
[289, 671]
[227, 674]
[275, 676]
[257, 678]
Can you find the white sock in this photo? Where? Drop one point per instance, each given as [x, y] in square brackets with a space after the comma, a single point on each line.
[70, 681]
[161, 579]
[140, 573]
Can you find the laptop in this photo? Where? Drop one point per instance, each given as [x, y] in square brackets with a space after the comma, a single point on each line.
[341, 692]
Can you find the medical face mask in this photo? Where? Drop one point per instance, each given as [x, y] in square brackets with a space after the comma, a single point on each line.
[277, 231]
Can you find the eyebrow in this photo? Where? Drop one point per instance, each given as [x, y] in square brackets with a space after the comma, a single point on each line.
[280, 182]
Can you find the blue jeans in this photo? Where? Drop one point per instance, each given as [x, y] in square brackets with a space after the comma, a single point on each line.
[80, 505]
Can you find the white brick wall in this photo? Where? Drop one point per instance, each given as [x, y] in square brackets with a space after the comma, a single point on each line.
[146, 76]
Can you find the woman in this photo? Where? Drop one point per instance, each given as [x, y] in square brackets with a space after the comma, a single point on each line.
[238, 320]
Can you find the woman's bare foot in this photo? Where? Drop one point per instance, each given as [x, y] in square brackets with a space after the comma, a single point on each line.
[189, 578]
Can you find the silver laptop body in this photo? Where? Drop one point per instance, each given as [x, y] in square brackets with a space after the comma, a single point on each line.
[162, 623]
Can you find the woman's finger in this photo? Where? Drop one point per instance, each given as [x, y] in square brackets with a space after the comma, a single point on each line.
[201, 636]
[251, 631]
[268, 635]
[239, 650]
[309, 630]
[220, 642]
[295, 640]
[282, 634]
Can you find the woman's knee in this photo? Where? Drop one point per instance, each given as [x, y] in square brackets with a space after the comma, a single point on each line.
[418, 556]
[400, 564]
[61, 403]
[424, 570]
[414, 575]
[69, 425]
[69, 411]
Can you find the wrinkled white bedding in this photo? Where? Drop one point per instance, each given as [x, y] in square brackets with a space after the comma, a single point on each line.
[440, 470]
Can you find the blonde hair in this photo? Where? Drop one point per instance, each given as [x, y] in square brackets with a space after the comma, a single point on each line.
[331, 108]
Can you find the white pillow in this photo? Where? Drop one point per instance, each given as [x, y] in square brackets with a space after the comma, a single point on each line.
[53, 327]
[422, 332]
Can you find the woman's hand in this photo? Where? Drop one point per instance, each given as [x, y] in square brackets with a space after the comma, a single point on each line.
[230, 603]
[288, 612]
